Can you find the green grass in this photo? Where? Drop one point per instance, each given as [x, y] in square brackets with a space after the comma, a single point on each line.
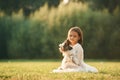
[41, 70]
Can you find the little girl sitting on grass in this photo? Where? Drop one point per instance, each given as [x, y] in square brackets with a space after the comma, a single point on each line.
[73, 53]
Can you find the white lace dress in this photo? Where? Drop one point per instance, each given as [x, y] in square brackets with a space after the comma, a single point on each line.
[73, 61]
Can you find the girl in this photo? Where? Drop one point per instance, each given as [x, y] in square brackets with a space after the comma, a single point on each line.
[73, 53]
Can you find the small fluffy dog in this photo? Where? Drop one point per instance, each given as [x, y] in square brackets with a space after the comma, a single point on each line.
[65, 45]
[68, 60]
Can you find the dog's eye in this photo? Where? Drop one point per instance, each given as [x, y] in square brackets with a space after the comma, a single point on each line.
[70, 48]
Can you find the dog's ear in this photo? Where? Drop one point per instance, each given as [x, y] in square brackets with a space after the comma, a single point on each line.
[67, 46]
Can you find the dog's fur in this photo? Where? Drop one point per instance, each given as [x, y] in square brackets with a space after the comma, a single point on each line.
[68, 60]
[65, 45]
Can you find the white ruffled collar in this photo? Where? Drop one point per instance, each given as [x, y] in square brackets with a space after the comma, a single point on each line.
[75, 45]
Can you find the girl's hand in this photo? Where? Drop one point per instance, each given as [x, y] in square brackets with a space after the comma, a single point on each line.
[61, 49]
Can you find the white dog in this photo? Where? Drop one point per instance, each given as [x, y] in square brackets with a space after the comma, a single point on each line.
[68, 60]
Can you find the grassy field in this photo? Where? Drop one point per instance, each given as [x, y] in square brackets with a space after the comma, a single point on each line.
[41, 70]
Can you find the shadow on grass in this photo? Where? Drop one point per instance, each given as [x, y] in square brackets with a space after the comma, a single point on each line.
[4, 77]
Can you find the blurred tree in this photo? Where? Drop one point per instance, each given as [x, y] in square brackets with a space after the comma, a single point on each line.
[5, 33]
[108, 4]
[28, 6]
[3, 43]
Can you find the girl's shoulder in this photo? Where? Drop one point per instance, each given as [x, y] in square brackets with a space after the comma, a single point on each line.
[77, 45]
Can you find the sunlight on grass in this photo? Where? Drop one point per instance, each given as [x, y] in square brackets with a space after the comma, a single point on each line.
[41, 70]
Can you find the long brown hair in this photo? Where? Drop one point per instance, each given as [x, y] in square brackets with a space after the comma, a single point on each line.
[80, 33]
[66, 45]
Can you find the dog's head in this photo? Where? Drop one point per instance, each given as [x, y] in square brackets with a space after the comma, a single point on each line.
[65, 46]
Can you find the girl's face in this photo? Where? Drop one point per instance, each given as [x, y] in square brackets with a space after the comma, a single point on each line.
[73, 37]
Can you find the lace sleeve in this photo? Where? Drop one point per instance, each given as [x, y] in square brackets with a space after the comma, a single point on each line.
[77, 55]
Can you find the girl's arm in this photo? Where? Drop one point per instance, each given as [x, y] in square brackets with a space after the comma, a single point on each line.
[78, 55]
[61, 47]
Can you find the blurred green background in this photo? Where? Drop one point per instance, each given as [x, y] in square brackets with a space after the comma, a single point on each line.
[33, 29]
